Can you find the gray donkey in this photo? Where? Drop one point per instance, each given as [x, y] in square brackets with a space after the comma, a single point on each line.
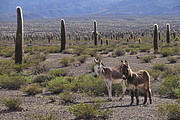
[137, 80]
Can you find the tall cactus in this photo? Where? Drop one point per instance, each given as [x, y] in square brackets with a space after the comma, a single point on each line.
[95, 33]
[155, 37]
[63, 35]
[19, 50]
[168, 33]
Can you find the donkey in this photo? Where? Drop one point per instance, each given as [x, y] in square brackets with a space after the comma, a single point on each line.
[137, 80]
[110, 75]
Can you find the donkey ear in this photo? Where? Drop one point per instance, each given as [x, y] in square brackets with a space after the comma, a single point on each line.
[121, 61]
[126, 62]
[96, 61]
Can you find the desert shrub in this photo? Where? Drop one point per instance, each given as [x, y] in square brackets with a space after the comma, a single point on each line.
[41, 78]
[7, 52]
[145, 48]
[12, 103]
[34, 59]
[44, 117]
[147, 58]
[89, 111]
[79, 49]
[5, 67]
[89, 51]
[32, 89]
[91, 66]
[133, 51]
[90, 85]
[64, 61]
[166, 52]
[161, 67]
[52, 49]
[172, 59]
[82, 58]
[170, 86]
[39, 69]
[119, 52]
[155, 73]
[175, 70]
[134, 45]
[12, 82]
[58, 72]
[58, 84]
[67, 97]
[169, 111]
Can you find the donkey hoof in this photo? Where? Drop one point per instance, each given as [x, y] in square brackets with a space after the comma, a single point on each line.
[109, 99]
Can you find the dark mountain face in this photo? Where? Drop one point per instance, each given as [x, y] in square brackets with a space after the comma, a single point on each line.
[60, 8]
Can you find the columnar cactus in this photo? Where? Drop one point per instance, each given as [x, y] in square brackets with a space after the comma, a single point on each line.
[63, 35]
[155, 37]
[159, 35]
[101, 41]
[168, 33]
[19, 50]
[95, 33]
[174, 34]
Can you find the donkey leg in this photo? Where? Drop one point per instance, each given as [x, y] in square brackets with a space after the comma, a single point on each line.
[132, 97]
[124, 89]
[149, 92]
[137, 98]
[108, 88]
[145, 96]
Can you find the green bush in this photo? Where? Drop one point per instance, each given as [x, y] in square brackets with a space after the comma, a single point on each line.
[52, 49]
[90, 85]
[170, 86]
[166, 52]
[39, 69]
[67, 97]
[58, 73]
[155, 73]
[133, 51]
[119, 52]
[58, 84]
[169, 111]
[12, 82]
[161, 67]
[44, 117]
[5, 67]
[89, 111]
[41, 78]
[64, 61]
[12, 103]
[145, 48]
[172, 59]
[32, 89]
[147, 58]
[7, 52]
[82, 58]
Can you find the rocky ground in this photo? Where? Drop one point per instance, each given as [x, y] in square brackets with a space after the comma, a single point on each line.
[40, 104]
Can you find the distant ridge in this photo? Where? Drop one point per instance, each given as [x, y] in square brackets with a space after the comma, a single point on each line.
[59, 8]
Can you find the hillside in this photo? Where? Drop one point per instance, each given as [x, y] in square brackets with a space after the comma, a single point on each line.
[56, 8]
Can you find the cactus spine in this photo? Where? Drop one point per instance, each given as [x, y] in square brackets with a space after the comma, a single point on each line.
[63, 35]
[19, 50]
[95, 33]
[155, 37]
[168, 33]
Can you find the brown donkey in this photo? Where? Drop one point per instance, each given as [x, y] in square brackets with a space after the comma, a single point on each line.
[137, 80]
[110, 75]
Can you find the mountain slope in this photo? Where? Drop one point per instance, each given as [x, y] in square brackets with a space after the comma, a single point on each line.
[61, 8]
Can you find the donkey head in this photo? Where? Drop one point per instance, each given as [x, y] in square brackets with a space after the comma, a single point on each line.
[97, 67]
[125, 69]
